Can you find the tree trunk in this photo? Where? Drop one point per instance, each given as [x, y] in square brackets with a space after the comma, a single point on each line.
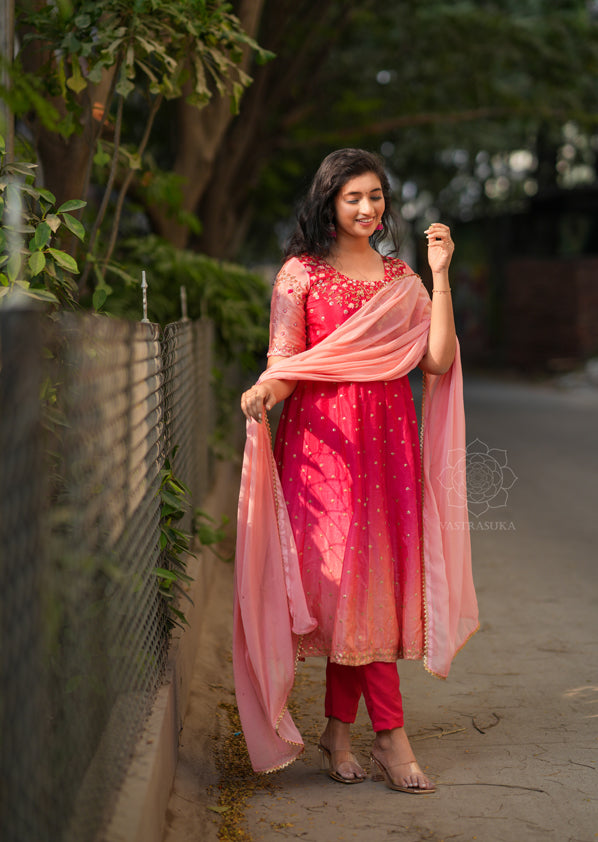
[65, 162]
[302, 36]
[200, 135]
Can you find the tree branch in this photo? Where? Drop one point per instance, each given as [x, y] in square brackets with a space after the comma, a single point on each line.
[127, 181]
[427, 119]
[106, 198]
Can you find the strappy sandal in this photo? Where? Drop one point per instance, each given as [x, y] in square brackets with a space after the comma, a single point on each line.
[384, 775]
[327, 765]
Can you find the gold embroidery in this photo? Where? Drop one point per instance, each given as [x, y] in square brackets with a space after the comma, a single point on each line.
[347, 292]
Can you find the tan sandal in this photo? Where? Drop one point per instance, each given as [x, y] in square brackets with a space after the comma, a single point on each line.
[384, 775]
[328, 765]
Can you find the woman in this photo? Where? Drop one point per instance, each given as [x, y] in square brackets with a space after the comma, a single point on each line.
[345, 320]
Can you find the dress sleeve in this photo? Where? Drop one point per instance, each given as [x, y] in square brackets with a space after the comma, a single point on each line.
[287, 310]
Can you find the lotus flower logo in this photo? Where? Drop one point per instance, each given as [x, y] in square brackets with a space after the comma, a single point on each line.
[478, 475]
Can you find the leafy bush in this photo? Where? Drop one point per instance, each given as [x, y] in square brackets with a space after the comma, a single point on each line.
[236, 299]
[29, 259]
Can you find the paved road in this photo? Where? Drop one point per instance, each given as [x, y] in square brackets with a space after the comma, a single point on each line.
[512, 736]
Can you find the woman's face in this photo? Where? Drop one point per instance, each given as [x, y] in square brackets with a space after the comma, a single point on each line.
[359, 206]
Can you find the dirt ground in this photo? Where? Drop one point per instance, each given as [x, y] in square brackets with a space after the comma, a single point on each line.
[510, 739]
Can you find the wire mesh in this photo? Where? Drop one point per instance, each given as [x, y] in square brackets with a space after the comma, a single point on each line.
[89, 409]
[23, 698]
[187, 359]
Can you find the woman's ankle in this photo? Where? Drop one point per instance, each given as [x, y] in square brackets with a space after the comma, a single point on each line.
[337, 734]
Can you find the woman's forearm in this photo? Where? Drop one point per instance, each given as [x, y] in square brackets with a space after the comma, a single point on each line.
[442, 340]
[266, 394]
[281, 388]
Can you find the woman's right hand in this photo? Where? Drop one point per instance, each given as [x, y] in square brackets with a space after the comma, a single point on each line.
[259, 396]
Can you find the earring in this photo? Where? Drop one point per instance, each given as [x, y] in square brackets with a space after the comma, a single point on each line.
[379, 227]
[332, 232]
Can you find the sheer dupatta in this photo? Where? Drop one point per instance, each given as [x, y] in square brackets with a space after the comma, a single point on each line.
[384, 340]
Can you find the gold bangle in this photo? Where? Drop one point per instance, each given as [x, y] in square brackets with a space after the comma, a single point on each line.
[441, 291]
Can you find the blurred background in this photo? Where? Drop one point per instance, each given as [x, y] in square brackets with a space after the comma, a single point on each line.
[185, 136]
[174, 138]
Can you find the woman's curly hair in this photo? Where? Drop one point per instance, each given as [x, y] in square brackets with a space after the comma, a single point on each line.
[314, 233]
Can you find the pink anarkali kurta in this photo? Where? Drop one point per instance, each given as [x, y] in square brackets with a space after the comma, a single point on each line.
[348, 458]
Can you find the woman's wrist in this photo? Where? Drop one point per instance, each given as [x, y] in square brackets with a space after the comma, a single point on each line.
[281, 389]
[440, 282]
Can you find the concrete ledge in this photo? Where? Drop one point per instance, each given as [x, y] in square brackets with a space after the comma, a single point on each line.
[140, 810]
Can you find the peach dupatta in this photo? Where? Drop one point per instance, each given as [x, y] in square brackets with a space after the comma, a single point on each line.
[384, 340]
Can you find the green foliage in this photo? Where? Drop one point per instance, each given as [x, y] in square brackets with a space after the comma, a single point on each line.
[81, 61]
[235, 299]
[209, 533]
[30, 227]
[419, 81]
[175, 545]
[159, 45]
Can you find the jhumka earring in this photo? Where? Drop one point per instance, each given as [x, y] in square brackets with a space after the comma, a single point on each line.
[379, 227]
[332, 232]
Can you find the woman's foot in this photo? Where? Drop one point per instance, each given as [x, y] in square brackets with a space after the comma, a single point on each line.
[337, 757]
[393, 756]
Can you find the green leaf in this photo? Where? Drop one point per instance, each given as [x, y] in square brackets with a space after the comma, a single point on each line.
[65, 260]
[162, 573]
[41, 295]
[30, 191]
[47, 195]
[74, 226]
[42, 235]
[171, 499]
[134, 161]
[71, 205]
[21, 168]
[82, 21]
[94, 74]
[54, 222]
[99, 298]
[179, 614]
[115, 269]
[101, 157]
[13, 267]
[76, 82]
[37, 262]
[125, 87]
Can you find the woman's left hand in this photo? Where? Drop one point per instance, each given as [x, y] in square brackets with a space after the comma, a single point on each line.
[440, 247]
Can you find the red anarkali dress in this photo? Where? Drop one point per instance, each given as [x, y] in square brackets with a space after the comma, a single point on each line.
[349, 463]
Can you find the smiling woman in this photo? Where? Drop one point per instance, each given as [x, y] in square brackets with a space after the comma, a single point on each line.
[359, 206]
[347, 325]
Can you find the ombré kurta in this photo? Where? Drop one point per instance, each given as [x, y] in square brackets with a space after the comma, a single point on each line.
[348, 457]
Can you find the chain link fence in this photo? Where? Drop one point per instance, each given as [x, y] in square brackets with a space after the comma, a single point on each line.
[188, 405]
[90, 408]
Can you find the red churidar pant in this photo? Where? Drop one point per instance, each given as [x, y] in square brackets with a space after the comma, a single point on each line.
[379, 683]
